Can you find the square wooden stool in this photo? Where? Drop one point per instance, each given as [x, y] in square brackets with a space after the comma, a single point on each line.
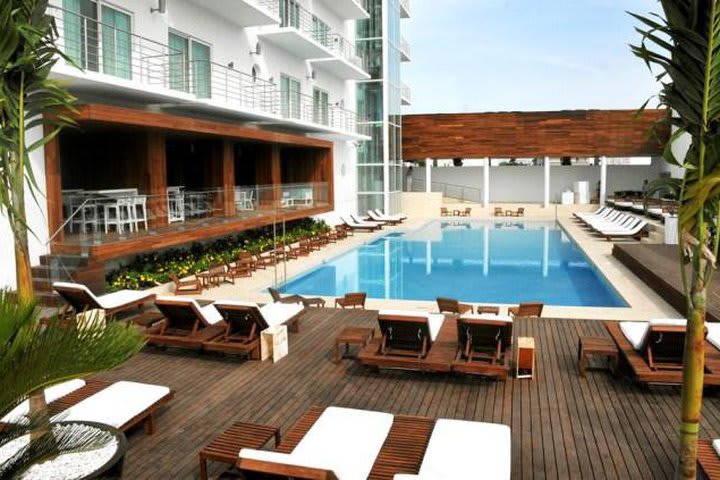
[351, 335]
[603, 346]
[226, 446]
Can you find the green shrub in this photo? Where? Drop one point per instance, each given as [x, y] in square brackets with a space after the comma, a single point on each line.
[154, 269]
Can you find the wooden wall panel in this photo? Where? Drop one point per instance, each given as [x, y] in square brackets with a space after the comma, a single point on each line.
[577, 133]
[156, 170]
[53, 187]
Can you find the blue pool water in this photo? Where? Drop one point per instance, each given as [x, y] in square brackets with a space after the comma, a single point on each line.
[474, 261]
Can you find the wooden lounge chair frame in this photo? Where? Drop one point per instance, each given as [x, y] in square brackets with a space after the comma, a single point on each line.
[80, 301]
[450, 305]
[182, 330]
[352, 300]
[708, 459]
[188, 286]
[483, 346]
[307, 301]
[402, 452]
[404, 336]
[527, 309]
[661, 370]
[242, 332]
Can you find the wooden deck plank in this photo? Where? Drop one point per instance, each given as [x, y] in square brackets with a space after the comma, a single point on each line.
[563, 426]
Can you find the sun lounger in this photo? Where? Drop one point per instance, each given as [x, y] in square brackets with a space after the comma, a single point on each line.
[359, 220]
[635, 232]
[186, 324]
[121, 405]
[81, 298]
[353, 225]
[342, 443]
[584, 215]
[20, 412]
[484, 338]
[400, 216]
[245, 321]
[376, 218]
[627, 223]
[408, 333]
[460, 449]
[661, 342]
[307, 301]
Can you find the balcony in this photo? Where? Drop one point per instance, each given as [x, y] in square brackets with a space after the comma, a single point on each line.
[107, 61]
[348, 9]
[332, 119]
[405, 95]
[345, 63]
[404, 50]
[243, 13]
[404, 8]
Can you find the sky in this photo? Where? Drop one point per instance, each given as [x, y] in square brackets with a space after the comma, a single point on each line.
[526, 55]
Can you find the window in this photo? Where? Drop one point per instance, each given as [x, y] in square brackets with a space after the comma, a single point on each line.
[320, 107]
[81, 33]
[189, 65]
[289, 13]
[320, 31]
[116, 43]
[290, 95]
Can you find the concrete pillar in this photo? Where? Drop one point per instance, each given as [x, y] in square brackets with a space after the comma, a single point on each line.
[428, 258]
[428, 175]
[387, 269]
[603, 180]
[546, 251]
[546, 200]
[486, 183]
[486, 250]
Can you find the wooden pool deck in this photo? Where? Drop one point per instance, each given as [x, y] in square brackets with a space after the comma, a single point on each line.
[563, 426]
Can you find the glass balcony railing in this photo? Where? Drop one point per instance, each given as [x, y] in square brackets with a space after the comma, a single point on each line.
[97, 47]
[405, 48]
[405, 93]
[97, 217]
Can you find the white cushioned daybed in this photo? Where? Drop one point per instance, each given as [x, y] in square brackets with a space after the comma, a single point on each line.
[19, 413]
[435, 320]
[460, 449]
[343, 440]
[116, 404]
[636, 332]
[110, 301]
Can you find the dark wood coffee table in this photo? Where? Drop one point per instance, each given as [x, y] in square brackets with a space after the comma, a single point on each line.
[351, 335]
[226, 446]
[603, 346]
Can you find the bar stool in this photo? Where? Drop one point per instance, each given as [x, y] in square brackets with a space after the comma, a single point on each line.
[118, 212]
[139, 211]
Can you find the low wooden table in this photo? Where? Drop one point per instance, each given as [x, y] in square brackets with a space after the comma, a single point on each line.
[351, 335]
[525, 361]
[226, 447]
[603, 346]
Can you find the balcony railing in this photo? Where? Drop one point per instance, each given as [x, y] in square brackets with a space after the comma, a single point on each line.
[105, 216]
[405, 6]
[98, 47]
[405, 47]
[405, 93]
[307, 109]
[344, 48]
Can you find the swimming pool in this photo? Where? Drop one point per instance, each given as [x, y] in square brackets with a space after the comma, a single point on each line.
[474, 261]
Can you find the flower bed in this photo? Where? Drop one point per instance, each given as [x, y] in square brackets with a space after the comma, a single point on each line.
[155, 268]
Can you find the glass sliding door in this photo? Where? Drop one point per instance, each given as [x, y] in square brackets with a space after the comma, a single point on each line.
[116, 43]
[290, 96]
[200, 54]
[289, 13]
[320, 31]
[179, 58]
[321, 106]
[80, 33]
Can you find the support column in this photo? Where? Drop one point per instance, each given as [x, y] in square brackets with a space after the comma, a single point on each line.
[486, 250]
[227, 158]
[53, 188]
[603, 180]
[428, 258]
[546, 251]
[486, 183]
[546, 200]
[428, 175]
[156, 179]
[276, 175]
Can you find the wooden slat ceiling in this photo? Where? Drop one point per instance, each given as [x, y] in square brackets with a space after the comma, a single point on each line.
[575, 133]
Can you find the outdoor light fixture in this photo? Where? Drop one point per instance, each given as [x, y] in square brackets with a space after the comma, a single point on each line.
[231, 65]
[257, 50]
[161, 8]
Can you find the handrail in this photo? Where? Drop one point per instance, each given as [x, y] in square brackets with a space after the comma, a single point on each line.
[67, 220]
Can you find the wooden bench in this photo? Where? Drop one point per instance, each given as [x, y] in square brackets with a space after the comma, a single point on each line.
[352, 335]
[603, 346]
[226, 447]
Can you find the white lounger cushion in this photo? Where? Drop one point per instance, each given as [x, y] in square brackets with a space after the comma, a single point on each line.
[713, 335]
[115, 405]
[488, 316]
[435, 320]
[110, 300]
[635, 332]
[274, 313]
[465, 450]
[209, 312]
[343, 440]
[716, 446]
[51, 394]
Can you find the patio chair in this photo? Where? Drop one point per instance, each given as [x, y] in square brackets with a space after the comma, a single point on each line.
[80, 298]
[444, 212]
[186, 286]
[499, 212]
[307, 301]
[527, 309]
[409, 334]
[238, 269]
[185, 324]
[520, 212]
[457, 448]
[352, 300]
[450, 305]
[320, 447]
[122, 405]
[466, 212]
[245, 321]
[484, 338]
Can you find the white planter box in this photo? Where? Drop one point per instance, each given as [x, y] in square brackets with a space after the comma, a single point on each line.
[274, 343]
[671, 230]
